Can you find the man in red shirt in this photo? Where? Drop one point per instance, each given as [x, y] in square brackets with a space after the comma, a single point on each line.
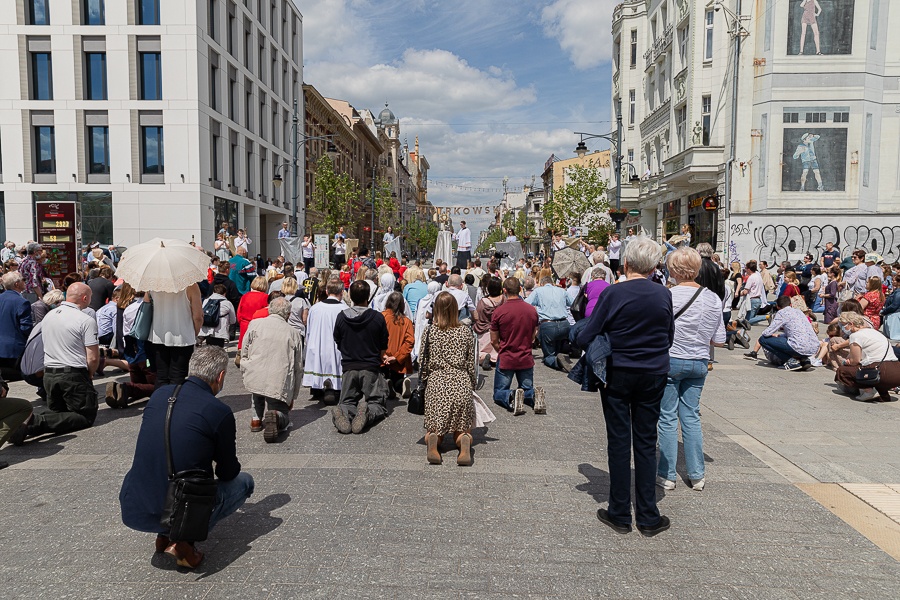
[513, 327]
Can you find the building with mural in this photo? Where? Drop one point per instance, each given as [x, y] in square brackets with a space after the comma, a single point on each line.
[806, 151]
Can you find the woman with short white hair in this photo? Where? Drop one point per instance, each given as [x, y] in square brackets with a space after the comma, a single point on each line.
[635, 317]
[698, 324]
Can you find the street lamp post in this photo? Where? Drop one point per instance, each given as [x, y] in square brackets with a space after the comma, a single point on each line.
[299, 140]
[581, 149]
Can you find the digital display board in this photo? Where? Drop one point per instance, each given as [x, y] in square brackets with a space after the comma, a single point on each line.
[59, 233]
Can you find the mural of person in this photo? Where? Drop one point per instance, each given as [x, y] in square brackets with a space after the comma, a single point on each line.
[806, 152]
[811, 10]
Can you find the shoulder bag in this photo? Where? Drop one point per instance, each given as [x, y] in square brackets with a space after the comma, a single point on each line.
[870, 375]
[143, 321]
[416, 402]
[579, 304]
[684, 308]
[191, 495]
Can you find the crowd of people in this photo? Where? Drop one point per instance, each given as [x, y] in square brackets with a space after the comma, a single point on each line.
[640, 326]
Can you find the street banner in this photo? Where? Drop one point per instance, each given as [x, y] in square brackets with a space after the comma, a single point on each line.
[392, 246]
[291, 250]
[323, 251]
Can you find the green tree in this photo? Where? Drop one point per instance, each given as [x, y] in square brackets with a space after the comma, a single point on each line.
[385, 206]
[335, 196]
[580, 202]
[423, 233]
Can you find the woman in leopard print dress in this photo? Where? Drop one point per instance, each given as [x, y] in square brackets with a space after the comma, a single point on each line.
[449, 374]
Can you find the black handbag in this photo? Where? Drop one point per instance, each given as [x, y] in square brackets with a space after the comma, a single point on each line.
[870, 376]
[579, 304]
[191, 495]
[416, 402]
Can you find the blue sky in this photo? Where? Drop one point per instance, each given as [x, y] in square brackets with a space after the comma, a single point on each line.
[491, 87]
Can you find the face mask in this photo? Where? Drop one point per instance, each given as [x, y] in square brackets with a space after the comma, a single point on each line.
[844, 330]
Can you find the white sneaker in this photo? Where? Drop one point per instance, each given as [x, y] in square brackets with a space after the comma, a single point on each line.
[815, 362]
[866, 395]
[665, 483]
[518, 402]
[698, 485]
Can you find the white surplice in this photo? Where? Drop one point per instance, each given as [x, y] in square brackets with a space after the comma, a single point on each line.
[323, 359]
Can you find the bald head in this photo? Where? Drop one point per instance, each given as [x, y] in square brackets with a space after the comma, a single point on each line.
[455, 281]
[79, 294]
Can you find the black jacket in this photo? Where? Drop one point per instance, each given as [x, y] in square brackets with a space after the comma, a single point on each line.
[231, 291]
[361, 335]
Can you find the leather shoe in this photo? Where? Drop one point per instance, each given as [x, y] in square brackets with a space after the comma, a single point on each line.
[185, 554]
[622, 528]
[17, 438]
[663, 524]
[162, 542]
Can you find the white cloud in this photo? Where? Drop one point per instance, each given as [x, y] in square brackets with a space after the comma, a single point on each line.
[335, 30]
[582, 28]
[436, 83]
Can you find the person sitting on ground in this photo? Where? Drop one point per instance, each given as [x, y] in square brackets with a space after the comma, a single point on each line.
[513, 327]
[401, 339]
[141, 379]
[832, 350]
[868, 348]
[361, 335]
[449, 375]
[272, 363]
[71, 356]
[790, 340]
[202, 433]
[872, 301]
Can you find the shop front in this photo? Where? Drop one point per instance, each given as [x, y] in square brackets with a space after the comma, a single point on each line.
[703, 215]
[671, 218]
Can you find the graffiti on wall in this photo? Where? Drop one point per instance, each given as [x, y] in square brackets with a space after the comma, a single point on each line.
[820, 27]
[777, 243]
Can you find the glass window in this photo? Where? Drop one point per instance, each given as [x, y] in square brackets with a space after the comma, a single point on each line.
[41, 76]
[151, 75]
[44, 150]
[632, 100]
[95, 75]
[96, 216]
[214, 87]
[226, 211]
[148, 12]
[94, 12]
[2, 218]
[708, 51]
[98, 155]
[233, 164]
[633, 58]
[153, 161]
[213, 7]
[706, 115]
[249, 170]
[248, 111]
[39, 12]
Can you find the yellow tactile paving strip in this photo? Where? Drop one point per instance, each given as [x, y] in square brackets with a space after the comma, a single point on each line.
[884, 498]
[883, 531]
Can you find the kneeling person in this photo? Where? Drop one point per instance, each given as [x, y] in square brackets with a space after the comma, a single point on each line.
[202, 433]
[361, 334]
[271, 362]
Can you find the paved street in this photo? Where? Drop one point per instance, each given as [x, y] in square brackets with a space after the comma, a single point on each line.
[793, 473]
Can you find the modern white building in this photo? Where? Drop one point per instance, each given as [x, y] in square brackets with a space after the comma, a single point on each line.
[806, 151]
[162, 118]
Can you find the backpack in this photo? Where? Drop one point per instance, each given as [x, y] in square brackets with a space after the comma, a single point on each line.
[211, 313]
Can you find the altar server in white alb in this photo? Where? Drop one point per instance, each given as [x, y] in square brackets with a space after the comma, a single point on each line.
[322, 371]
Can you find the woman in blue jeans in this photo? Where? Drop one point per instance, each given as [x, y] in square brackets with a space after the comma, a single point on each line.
[698, 324]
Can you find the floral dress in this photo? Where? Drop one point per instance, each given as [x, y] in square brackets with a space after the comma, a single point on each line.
[448, 370]
[873, 308]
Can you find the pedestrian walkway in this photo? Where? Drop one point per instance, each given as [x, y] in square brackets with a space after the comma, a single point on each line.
[364, 516]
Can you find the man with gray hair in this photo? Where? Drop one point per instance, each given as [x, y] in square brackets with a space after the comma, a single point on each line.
[457, 289]
[272, 365]
[598, 259]
[71, 356]
[32, 269]
[202, 433]
[16, 323]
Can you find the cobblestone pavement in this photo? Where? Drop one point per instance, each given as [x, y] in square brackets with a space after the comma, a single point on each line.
[365, 517]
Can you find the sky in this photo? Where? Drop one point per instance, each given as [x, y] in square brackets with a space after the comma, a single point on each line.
[492, 88]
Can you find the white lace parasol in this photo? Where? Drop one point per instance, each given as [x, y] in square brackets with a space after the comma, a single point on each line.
[162, 265]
